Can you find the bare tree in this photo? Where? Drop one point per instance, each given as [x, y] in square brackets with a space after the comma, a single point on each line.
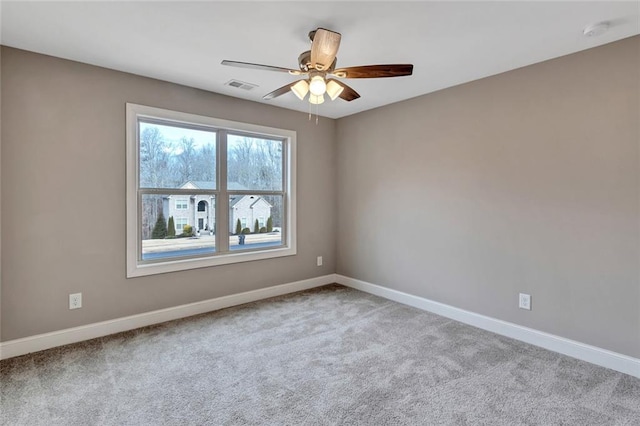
[256, 163]
[240, 162]
[185, 160]
[154, 163]
[204, 164]
[154, 158]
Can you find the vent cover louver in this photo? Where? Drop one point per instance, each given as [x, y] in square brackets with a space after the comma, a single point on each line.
[241, 84]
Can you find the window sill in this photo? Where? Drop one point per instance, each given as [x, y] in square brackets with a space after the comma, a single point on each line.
[137, 269]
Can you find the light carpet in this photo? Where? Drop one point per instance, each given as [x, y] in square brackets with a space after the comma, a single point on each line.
[327, 356]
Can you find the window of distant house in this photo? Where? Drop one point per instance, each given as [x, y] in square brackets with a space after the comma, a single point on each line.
[239, 178]
[180, 223]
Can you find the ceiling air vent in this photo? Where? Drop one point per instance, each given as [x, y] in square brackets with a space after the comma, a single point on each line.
[241, 84]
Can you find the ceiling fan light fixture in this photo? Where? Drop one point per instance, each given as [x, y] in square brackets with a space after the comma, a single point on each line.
[317, 86]
[316, 99]
[300, 89]
[334, 90]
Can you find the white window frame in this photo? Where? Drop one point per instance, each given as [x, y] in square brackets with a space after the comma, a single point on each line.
[181, 221]
[137, 267]
[182, 202]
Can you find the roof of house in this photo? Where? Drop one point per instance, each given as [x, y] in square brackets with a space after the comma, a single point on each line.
[233, 186]
[235, 200]
[263, 200]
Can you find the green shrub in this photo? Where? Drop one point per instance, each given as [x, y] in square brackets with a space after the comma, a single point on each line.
[160, 229]
[238, 227]
[246, 231]
[270, 224]
[263, 230]
[256, 227]
[171, 228]
[187, 230]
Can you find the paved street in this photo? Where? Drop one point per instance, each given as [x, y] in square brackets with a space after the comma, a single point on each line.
[158, 249]
[203, 250]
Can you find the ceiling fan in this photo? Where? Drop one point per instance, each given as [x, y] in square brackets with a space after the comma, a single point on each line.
[318, 64]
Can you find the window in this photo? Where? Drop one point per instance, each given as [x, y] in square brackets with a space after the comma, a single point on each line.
[180, 223]
[231, 173]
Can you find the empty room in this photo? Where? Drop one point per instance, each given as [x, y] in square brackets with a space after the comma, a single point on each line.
[319, 213]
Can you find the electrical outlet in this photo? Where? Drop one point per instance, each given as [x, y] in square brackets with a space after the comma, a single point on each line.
[319, 261]
[75, 301]
[525, 301]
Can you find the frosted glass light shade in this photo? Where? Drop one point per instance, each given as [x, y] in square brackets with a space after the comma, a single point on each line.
[300, 89]
[317, 86]
[316, 100]
[334, 90]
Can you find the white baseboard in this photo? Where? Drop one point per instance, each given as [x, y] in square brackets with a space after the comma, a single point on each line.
[602, 357]
[40, 342]
[582, 351]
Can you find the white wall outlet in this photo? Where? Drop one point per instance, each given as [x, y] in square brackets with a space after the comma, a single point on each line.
[319, 261]
[75, 301]
[525, 301]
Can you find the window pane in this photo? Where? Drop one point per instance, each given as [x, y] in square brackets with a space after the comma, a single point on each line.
[245, 211]
[169, 232]
[176, 157]
[254, 163]
[181, 204]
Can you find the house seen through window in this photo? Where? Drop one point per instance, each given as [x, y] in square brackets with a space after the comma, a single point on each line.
[205, 191]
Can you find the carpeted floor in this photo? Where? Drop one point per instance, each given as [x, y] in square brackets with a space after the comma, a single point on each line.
[327, 356]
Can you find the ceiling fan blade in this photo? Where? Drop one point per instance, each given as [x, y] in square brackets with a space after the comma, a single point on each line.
[324, 48]
[279, 92]
[348, 94]
[374, 71]
[260, 67]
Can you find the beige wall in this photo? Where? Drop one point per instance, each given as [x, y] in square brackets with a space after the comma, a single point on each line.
[0, 185]
[63, 146]
[523, 182]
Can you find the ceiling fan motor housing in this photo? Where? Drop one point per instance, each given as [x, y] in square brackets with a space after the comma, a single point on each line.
[304, 60]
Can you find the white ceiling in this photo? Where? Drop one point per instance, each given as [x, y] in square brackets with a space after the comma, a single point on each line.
[449, 43]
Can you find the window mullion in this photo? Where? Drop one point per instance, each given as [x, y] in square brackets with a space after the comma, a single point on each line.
[222, 206]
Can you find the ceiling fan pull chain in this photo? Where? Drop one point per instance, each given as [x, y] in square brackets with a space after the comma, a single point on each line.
[309, 111]
[317, 108]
